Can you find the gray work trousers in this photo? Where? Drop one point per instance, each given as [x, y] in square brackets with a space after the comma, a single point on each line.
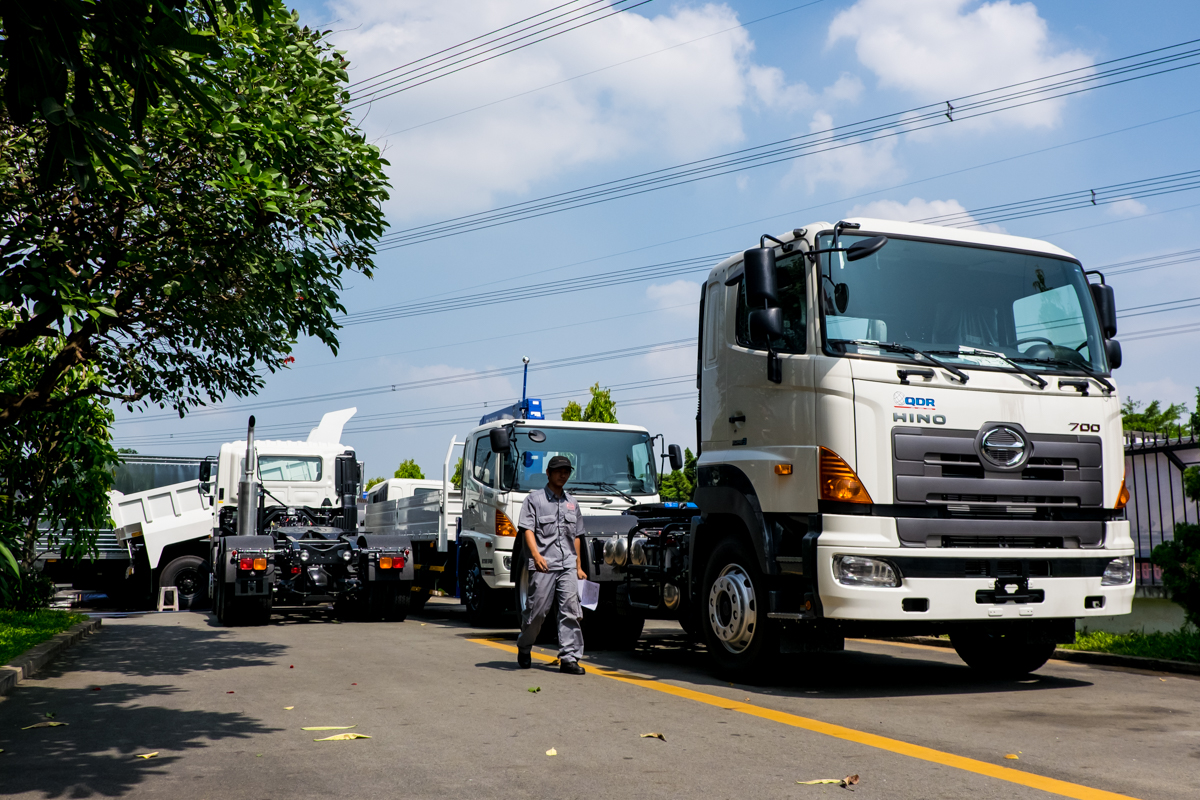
[543, 587]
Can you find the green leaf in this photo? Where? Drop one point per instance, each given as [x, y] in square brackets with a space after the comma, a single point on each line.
[8, 560]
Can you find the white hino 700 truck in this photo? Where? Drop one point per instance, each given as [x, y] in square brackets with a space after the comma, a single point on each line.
[903, 429]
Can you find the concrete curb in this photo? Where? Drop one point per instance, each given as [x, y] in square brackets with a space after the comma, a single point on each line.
[1083, 657]
[38, 656]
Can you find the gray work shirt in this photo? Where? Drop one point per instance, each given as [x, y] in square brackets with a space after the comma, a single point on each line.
[555, 521]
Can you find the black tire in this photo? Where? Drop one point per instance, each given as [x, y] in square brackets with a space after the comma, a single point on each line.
[606, 628]
[741, 640]
[418, 599]
[1002, 653]
[189, 576]
[236, 612]
[481, 601]
[397, 600]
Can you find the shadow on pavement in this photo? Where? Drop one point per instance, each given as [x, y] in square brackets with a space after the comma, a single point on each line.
[149, 650]
[95, 754]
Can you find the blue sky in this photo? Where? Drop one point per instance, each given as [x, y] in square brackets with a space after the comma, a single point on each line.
[674, 82]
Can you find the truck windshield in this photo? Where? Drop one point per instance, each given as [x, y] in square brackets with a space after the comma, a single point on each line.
[605, 462]
[954, 300]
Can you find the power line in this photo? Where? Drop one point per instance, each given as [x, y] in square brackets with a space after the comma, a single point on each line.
[387, 388]
[1012, 96]
[600, 69]
[1157, 333]
[1070, 201]
[419, 76]
[1151, 262]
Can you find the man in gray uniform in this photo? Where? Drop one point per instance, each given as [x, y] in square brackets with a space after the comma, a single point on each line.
[552, 526]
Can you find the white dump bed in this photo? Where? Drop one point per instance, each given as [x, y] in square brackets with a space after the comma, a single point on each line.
[162, 517]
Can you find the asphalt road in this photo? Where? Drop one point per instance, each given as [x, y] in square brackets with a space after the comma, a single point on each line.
[450, 716]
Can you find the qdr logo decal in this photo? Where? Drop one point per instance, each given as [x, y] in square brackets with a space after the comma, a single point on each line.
[923, 403]
[907, 404]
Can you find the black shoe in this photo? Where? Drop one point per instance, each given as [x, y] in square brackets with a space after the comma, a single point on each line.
[570, 667]
[524, 659]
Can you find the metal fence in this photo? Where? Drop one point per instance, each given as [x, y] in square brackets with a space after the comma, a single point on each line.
[1154, 466]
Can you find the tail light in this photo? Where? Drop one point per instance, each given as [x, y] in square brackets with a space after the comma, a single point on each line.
[838, 481]
[398, 562]
[385, 562]
[260, 563]
[504, 526]
[246, 563]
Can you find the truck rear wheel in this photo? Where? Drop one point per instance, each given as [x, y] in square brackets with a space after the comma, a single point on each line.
[189, 576]
[737, 633]
[241, 611]
[1005, 654]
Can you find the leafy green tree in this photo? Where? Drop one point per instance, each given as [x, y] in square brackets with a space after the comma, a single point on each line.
[373, 482]
[572, 412]
[1153, 418]
[680, 485]
[456, 477]
[409, 469]
[601, 407]
[177, 277]
[57, 465]
[1180, 557]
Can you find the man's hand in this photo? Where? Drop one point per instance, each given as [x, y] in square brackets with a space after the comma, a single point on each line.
[540, 563]
[582, 575]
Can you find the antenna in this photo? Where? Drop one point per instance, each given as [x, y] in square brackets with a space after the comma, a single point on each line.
[525, 379]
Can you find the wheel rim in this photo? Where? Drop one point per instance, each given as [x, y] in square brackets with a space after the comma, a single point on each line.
[188, 582]
[732, 609]
[470, 587]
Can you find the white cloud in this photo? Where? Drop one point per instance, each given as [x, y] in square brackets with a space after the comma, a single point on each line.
[677, 104]
[918, 209]
[850, 167]
[1127, 208]
[938, 50]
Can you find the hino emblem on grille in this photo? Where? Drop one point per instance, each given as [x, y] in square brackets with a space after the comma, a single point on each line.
[1003, 446]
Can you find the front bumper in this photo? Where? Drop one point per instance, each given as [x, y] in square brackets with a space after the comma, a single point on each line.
[1070, 590]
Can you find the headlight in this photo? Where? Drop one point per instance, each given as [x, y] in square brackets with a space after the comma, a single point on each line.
[304, 555]
[1118, 572]
[345, 555]
[508, 563]
[862, 571]
[637, 551]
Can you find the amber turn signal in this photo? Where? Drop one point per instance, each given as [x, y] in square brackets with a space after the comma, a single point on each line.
[260, 563]
[783, 469]
[838, 481]
[385, 562]
[504, 526]
[1123, 495]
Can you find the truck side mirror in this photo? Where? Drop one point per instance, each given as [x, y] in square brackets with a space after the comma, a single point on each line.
[766, 325]
[762, 282]
[866, 247]
[1106, 309]
[205, 471]
[675, 456]
[1112, 349]
[499, 439]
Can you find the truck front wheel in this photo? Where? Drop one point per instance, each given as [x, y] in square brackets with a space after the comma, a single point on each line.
[737, 633]
[189, 576]
[479, 598]
[1004, 654]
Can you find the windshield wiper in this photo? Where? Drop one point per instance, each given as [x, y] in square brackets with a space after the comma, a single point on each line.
[1108, 387]
[604, 485]
[974, 351]
[903, 348]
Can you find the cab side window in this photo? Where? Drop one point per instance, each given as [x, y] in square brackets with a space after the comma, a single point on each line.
[794, 302]
[483, 465]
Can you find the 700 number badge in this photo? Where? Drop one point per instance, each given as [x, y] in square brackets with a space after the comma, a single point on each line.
[1086, 427]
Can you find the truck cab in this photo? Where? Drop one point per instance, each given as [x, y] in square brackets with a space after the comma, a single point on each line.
[910, 428]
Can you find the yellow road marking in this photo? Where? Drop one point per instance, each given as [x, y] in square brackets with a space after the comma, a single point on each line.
[1052, 785]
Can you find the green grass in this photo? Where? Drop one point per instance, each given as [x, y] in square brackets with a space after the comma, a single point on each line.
[1181, 645]
[21, 630]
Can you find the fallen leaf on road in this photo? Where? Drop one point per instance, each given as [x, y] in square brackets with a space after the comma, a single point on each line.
[288, 708]
[50, 715]
[330, 728]
[846, 782]
[342, 737]
[147, 755]
[95, 688]
[653, 736]
[534, 689]
[551, 752]
[258, 755]
[354, 684]
[422, 624]
[43, 725]
[231, 693]
[291, 666]
[1013, 757]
